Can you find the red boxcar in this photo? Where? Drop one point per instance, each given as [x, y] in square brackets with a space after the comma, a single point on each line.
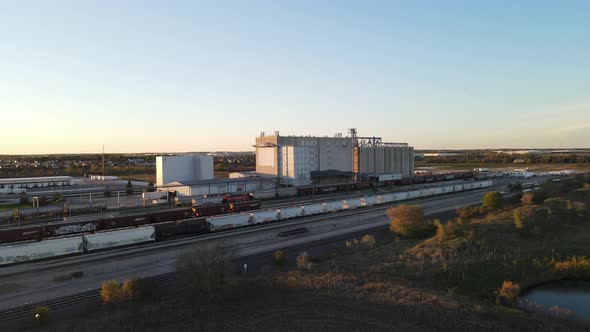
[177, 214]
[245, 206]
[126, 221]
[22, 233]
[237, 198]
[210, 210]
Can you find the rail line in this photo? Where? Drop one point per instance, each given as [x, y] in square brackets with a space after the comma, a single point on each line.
[185, 241]
[93, 296]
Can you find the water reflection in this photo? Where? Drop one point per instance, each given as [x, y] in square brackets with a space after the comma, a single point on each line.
[565, 298]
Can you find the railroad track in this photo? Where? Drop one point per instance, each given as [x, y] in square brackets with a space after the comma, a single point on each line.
[64, 302]
[93, 296]
[265, 204]
[186, 241]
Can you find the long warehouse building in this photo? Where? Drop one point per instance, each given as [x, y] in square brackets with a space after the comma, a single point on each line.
[302, 160]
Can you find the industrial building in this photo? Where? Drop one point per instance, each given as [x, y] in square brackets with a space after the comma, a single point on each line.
[302, 160]
[20, 185]
[220, 186]
[183, 168]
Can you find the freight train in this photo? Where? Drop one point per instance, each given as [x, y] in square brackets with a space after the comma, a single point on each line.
[418, 179]
[106, 222]
[79, 244]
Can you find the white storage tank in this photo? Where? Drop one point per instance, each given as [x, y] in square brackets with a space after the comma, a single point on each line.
[123, 237]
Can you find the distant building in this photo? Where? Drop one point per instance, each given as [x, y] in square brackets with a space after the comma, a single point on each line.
[183, 168]
[440, 154]
[20, 185]
[220, 186]
[302, 160]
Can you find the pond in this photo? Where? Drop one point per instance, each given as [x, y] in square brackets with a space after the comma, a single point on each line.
[564, 298]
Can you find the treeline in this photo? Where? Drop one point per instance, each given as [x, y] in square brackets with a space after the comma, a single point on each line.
[75, 171]
[245, 162]
[115, 157]
[500, 158]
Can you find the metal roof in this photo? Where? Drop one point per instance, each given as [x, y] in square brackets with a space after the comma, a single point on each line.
[215, 181]
[35, 179]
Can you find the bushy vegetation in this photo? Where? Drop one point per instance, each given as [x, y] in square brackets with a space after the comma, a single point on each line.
[527, 198]
[304, 261]
[508, 293]
[111, 292]
[470, 212]
[139, 289]
[205, 272]
[368, 241]
[493, 200]
[448, 230]
[573, 267]
[408, 221]
[280, 258]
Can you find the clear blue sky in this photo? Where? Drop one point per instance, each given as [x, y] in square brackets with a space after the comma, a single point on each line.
[197, 76]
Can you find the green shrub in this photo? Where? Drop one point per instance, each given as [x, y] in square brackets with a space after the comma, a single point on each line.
[493, 200]
[533, 220]
[280, 258]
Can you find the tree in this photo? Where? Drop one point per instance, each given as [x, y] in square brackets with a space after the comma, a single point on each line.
[408, 220]
[280, 257]
[508, 293]
[527, 198]
[129, 190]
[111, 292]
[493, 200]
[205, 272]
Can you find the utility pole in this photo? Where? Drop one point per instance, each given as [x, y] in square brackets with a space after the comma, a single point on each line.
[103, 161]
